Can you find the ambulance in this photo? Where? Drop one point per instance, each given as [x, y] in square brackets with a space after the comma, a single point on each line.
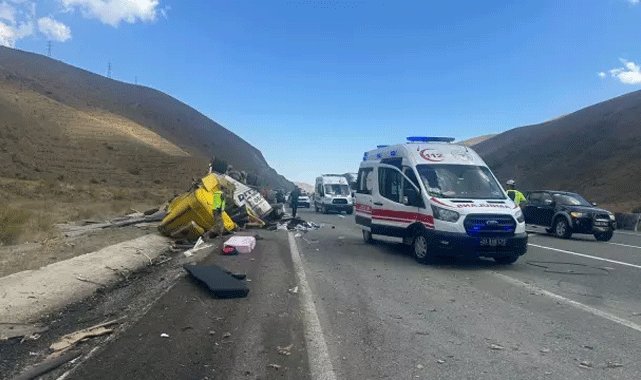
[332, 193]
[439, 197]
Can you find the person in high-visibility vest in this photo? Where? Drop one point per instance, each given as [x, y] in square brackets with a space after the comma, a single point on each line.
[217, 210]
[514, 194]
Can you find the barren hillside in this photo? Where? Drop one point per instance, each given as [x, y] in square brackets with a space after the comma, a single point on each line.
[595, 151]
[60, 121]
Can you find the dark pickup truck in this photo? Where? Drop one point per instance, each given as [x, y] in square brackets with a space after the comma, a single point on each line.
[564, 213]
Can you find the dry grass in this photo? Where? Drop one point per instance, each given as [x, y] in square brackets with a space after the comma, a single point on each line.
[35, 207]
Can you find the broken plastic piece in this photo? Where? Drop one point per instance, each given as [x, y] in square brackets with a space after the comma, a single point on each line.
[220, 282]
[229, 251]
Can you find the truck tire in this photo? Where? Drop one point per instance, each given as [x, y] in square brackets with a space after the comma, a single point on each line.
[421, 248]
[562, 228]
[604, 236]
[324, 209]
[350, 211]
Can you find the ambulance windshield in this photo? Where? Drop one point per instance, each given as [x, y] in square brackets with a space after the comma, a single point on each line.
[460, 181]
[337, 189]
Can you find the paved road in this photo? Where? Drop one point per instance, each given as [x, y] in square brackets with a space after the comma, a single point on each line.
[568, 309]
[566, 302]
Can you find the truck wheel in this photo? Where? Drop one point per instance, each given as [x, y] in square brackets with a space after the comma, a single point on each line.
[367, 237]
[562, 229]
[324, 209]
[350, 211]
[421, 248]
[604, 236]
[506, 260]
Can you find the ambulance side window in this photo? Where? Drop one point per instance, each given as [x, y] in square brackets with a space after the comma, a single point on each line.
[410, 174]
[389, 184]
[363, 175]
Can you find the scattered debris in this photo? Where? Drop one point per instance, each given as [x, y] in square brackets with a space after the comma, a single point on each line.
[229, 251]
[545, 350]
[274, 366]
[298, 235]
[440, 361]
[419, 366]
[244, 244]
[226, 335]
[293, 290]
[588, 347]
[219, 281]
[497, 347]
[585, 364]
[212, 332]
[287, 350]
[42, 368]
[164, 335]
[79, 278]
[612, 365]
[74, 338]
[341, 216]
[19, 330]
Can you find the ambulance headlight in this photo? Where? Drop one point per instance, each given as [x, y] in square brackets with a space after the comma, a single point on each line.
[445, 214]
[519, 216]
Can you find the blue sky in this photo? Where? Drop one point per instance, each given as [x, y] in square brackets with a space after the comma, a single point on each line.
[314, 84]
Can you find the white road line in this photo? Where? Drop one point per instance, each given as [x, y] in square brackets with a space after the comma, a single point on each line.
[587, 256]
[567, 301]
[320, 364]
[625, 245]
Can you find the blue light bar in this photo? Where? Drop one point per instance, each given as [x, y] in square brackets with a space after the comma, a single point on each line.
[430, 139]
[381, 146]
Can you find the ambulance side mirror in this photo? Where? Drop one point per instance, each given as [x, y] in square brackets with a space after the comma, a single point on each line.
[410, 196]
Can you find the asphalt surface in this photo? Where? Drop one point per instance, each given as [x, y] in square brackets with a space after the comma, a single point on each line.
[567, 309]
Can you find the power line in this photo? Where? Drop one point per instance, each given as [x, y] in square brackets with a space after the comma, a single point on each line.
[49, 49]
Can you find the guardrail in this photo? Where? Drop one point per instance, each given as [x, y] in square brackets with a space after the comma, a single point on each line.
[628, 221]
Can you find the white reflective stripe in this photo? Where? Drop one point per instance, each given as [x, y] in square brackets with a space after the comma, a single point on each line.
[625, 245]
[567, 301]
[587, 256]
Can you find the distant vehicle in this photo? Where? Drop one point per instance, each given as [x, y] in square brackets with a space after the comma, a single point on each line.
[332, 193]
[439, 197]
[563, 213]
[303, 200]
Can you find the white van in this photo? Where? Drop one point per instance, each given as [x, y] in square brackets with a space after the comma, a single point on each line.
[439, 197]
[332, 193]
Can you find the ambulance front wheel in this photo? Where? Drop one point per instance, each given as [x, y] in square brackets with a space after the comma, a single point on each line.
[421, 248]
[367, 237]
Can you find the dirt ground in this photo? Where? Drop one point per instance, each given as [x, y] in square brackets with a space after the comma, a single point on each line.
[29, 237]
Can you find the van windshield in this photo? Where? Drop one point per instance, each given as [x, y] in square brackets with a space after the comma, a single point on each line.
[460, 181]
[337, 189]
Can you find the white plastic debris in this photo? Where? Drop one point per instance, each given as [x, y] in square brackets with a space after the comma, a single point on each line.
[163, 335]
[243, 244]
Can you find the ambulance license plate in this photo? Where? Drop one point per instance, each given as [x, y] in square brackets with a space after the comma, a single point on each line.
[491, 242]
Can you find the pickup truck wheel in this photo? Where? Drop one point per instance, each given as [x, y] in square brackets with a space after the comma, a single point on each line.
[506, 260]
[324, 209]
[562, 229]
[421, 248]
[350, 211]
[603, 236]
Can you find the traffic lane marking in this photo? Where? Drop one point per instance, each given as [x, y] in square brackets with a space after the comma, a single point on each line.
[587, 256]
[567, 301]
[320, 363]
[627, 233]
[626, 245]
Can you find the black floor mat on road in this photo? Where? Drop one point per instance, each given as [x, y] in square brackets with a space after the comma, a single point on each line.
[219, 281]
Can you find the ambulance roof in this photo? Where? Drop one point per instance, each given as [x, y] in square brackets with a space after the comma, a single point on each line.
[432, 152]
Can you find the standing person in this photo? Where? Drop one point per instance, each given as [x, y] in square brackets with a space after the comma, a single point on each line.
[293, 198]
[217, 210]
[514, 194]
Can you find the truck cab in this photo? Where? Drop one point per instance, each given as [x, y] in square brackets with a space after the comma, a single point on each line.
[439, 197]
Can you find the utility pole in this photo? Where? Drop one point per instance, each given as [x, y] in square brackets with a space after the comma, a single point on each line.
[109, 70]
[136, 81]
[49, 49]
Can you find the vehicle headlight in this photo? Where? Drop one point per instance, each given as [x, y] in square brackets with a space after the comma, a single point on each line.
[445, 214]
[519, 216]
[612, 217]
[578, 214]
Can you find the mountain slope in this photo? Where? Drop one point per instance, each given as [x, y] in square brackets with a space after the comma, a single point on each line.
[63, 121]
[595, 151]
